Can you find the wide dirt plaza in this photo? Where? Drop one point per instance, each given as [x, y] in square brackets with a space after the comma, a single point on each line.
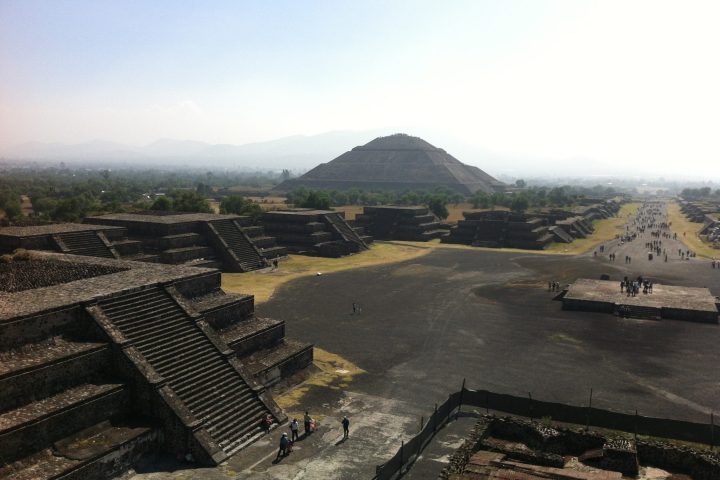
[484, 316]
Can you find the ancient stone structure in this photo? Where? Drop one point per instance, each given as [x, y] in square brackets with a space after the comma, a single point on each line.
[391, 222]
[105, 359]
[195, 239]
[514, 448]
[699, 211]
[497, 229]
[73, 238]
[396, 162]
[707, 213]
[665, 301]
[315, 232]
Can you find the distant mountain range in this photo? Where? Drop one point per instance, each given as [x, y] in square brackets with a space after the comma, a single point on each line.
[297, 153]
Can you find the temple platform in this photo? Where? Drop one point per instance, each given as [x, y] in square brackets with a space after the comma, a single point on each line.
[665, 301]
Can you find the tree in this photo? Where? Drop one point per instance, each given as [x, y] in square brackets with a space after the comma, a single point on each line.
[240, 205]
[163, 204]
[519, 203]
[438, 206]
[285, 175]
[189, 201]
[13, 210]
[520, 183]
[204, 189]
[316, 199]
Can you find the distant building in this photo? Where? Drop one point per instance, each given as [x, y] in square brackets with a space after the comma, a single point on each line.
[396, 162]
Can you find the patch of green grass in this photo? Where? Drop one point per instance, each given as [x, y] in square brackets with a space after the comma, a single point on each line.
[687, 231]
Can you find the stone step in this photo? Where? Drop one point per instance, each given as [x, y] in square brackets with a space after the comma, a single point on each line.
[227, 396]
[194, 368]
[28, 428]
[184, 254]
[173, 350]
[38, 373]
[204, 263]
[250, 335]
[280, 361]
[149, 323]
[137, 297]
[183, 380]
[154, 337]
[180, 240]
[202, 401]
[180, 355]
[241, 427]
[104, 450]
[127, 248]
[274, 252]
[143, 257]
[234, 423]
[199, 397]
[136, 314]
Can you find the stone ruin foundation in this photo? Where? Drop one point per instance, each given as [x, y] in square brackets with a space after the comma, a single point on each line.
[106, 359]
[514, 448]
[665, 302]
[501, 229]
[391, 222]
[315, 232]
[228, 242]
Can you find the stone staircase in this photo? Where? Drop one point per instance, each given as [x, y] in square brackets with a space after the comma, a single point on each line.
[239, 245]
[62, 413]
[638, 311]
[340, 227]
[561, 235]
[87, 243]
[195, 368]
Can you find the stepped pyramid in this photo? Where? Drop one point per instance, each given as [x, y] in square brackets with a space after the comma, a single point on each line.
[396, 162]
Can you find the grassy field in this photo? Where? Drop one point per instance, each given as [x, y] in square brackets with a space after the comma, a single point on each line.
[263, 283]
[688, 231]
[605, 230]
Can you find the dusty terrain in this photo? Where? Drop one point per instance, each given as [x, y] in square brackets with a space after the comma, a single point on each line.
[429, 322]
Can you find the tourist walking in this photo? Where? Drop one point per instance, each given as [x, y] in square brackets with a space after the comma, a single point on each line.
[346, 427]
[294, 427]
[284, 442]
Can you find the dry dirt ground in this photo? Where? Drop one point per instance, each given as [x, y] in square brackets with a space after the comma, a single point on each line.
[487, 317]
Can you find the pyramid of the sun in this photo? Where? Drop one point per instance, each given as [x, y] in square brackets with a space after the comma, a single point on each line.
[396, 162]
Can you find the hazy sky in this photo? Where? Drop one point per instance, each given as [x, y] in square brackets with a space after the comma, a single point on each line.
[616, 81]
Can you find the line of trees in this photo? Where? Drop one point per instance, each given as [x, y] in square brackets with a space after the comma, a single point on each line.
[438, 200]
[67, 195]
[704, 193]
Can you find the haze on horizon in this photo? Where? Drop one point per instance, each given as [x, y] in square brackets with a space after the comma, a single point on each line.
[632, 85]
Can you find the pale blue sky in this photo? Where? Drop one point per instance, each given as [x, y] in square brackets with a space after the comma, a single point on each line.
[611, 80]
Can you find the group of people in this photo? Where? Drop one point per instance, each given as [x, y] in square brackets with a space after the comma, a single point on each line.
[309, 424]
[553, 286]
[650, 219]
[632, 287]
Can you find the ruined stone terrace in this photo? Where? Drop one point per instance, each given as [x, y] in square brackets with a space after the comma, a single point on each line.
[668, 301]
[82, 289]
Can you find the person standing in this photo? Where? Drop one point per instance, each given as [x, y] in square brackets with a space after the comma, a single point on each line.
[306, 421]
[346, 427]
[294, 427]
[283, 446]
